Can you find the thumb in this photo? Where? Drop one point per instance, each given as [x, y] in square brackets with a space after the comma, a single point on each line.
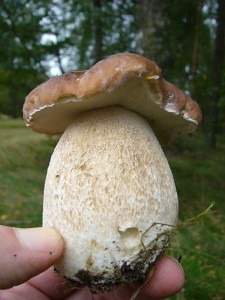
[24, 253]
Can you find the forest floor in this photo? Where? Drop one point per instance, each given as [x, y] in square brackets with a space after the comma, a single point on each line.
[200, 179]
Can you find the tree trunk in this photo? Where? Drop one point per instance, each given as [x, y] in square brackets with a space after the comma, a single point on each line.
[16, 109]
[216, 78]
[144, 18]
[98, 53]
[198, 22]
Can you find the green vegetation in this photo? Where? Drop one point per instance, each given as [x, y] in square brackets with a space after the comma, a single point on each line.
[24, 158]
[199, 175]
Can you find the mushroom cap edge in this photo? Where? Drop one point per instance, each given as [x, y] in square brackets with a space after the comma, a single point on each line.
[125, 79]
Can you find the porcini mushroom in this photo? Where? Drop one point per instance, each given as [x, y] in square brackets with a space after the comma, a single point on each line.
[109, 189]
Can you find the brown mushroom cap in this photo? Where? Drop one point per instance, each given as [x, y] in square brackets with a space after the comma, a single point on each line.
[125, 79]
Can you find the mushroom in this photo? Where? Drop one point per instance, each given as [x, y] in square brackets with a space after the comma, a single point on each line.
[109, 189]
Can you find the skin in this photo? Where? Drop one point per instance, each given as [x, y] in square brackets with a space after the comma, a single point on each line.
[26, 257]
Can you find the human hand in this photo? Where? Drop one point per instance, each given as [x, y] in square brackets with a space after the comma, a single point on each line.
[26, 257]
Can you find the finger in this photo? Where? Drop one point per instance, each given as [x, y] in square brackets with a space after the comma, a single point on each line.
[52, 284]
[56, 287]
[167, 279]
[25, 253]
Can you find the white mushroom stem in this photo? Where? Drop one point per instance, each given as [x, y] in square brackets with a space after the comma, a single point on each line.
[108, 184]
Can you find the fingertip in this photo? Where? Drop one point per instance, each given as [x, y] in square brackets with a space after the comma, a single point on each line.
[167, 279]
[46, 240]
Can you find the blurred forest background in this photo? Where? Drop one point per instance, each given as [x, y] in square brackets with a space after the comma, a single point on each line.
[44, 38]
[186, 38]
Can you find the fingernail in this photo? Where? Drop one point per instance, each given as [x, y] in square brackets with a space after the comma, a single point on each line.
[40, 239]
